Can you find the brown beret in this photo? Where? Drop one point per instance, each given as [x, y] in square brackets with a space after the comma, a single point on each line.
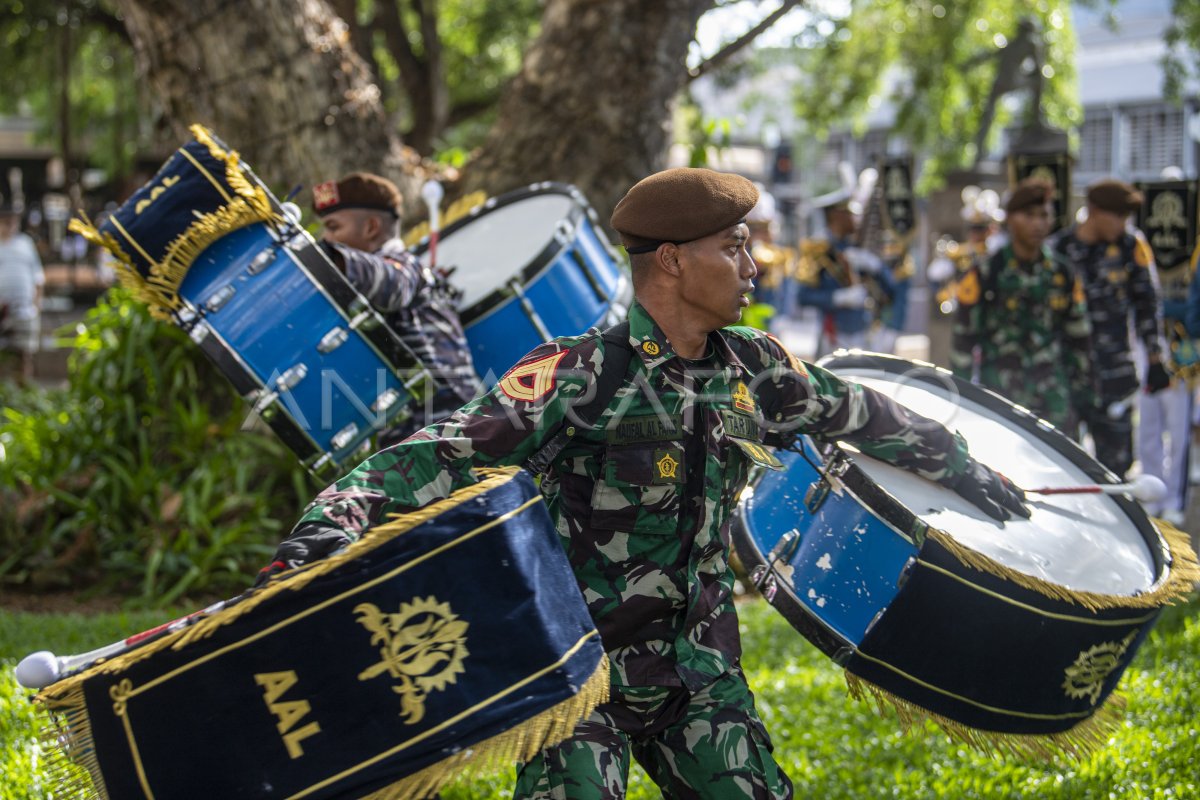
[680, 205]
[1116, 197]
[1029, 193]
[356, 190]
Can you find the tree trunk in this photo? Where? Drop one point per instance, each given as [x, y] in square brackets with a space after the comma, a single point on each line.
[278, 80]
[593, 102]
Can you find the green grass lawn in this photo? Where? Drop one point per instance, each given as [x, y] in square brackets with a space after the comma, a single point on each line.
[830, 745]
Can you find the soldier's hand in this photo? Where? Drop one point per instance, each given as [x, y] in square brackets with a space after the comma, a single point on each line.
[1157, 378]
[310, 541]
[850, 297]
[990, 491]
[863, 260]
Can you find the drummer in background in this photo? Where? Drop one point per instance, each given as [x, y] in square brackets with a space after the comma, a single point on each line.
[643, 501]
[843, 281]
[1116, 265]
[360, 215]
[1021, 319]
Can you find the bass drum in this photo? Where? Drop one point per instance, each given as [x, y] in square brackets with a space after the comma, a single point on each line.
[999, 632]
[532, 264]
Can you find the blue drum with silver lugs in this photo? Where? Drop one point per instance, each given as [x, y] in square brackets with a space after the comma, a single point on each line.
[532, 264]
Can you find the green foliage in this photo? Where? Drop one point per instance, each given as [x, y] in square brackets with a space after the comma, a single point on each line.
[101, 86]
[1181, 63]
[936, 61]
[833, 747]
[136, 477]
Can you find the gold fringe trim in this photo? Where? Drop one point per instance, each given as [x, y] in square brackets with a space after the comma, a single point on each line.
[159, 291]
[296, 580]
[65, 736]
[1088, 735]
[1182, 573]
[66, 727]
[516, 744]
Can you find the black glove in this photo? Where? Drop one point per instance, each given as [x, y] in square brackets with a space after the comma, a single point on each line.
[1157, 378]
[310, 541]
[999, 497]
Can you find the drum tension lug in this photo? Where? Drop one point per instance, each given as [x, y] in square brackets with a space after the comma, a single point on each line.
[817, 492]
[843, 655]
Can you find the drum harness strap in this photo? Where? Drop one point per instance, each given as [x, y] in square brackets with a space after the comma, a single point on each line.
[617, 355]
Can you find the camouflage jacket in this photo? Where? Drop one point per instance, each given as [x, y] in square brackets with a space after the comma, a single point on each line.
[643, 500]
[1119, 278]
[420, 308]
[1031, 328]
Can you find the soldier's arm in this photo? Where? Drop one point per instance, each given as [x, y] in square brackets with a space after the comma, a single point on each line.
[813, 400]
[1143, 296]
[503, 427]
[1076, 331]
[389, 284]
[966, 332]
[1192, 315]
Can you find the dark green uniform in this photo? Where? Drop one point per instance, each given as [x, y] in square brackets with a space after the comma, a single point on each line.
[643, 504]
[1029, 324]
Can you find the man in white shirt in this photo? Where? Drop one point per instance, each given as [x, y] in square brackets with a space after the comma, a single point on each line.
[21, 281]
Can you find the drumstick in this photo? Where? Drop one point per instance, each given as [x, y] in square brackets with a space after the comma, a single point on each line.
[1146, 488]
[40, 669]
[432, 194]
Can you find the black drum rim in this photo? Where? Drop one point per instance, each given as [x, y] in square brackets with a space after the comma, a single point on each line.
[539, 263]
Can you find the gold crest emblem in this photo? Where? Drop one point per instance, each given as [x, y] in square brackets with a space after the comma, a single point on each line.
[968, 288]
[651, 348]
[423, 646]
[742, 398]
[1085, 678]
[667, 466]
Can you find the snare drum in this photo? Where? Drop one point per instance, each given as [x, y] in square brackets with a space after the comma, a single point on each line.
[532, 264]
[1009, 630]
[304, 349]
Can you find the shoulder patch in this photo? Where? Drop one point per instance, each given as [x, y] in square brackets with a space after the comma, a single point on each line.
[1143, 256]
[968, 287]
[533, 380]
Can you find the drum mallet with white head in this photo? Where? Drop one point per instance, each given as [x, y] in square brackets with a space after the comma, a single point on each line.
[1144, 488]
[432, 193]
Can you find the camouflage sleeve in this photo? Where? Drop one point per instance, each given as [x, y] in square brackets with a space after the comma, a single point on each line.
[1075, 330]
[805, 398]
[1143, 297]
[389, 284]
[966, 327]
[503, 427]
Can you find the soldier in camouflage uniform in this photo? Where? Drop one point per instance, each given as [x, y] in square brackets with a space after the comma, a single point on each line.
[643, 499]
[360, 215]
[1021, 318]
[1116, 266]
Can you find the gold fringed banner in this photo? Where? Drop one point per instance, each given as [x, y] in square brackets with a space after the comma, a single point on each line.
[123, 720]
[1182, 573]
[1076, 743]
[517, 744]
[155, 239]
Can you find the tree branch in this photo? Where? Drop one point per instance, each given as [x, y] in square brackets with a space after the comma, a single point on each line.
[729, 50]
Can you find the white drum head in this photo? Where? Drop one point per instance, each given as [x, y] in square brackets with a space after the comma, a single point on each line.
[495, 246]
[1081, 541]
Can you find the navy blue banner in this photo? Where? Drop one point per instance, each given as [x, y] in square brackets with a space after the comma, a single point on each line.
[406, 656]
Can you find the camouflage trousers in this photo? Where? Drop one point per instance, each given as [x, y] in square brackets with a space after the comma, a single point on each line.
[710, 744]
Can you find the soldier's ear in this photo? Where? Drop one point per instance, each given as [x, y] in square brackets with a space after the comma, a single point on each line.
[666, 258]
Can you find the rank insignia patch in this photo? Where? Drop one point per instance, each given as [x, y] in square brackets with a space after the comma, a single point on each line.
[532, 381]
[742, 398]
[651, 348]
